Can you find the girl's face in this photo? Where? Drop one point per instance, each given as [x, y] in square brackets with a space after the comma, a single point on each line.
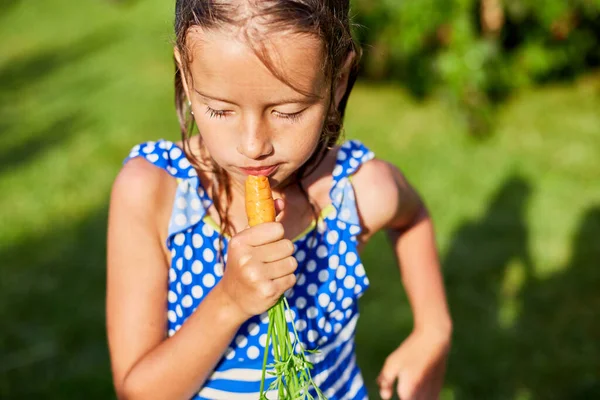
[250, 121]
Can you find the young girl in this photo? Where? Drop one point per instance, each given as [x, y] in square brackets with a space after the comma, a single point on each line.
[189, 283]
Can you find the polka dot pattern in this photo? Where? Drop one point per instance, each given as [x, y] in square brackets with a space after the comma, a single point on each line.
[330, 275]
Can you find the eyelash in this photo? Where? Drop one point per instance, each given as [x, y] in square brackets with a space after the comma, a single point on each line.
[212, 113]
[295, 117]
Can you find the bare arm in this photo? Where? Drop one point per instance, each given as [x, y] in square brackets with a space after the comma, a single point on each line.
[387, 201]
[412, 235]
[145, 363]
[392, 204]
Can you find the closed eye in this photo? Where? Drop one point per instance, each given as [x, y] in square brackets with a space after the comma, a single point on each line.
[292, 117]
[212, 113]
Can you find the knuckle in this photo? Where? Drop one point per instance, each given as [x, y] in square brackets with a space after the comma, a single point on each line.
[244, 259]
[236, 243]
[288, 246]
[388, 368]
[292, 280]
[267, 291]
[385, 377]
[252, 275]
[293, 263]
[287, 282]
[278, 230]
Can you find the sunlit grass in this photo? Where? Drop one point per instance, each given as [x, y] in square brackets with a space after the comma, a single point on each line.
[517, 215]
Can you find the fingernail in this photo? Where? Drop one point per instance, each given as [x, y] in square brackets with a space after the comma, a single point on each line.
[385, 394]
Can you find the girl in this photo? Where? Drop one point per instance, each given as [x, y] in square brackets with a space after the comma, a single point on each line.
[266, 84]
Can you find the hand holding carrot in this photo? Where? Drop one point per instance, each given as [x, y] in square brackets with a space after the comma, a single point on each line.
[260, 209]
[260, 266]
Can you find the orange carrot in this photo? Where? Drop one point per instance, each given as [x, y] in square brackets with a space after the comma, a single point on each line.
[260, 206]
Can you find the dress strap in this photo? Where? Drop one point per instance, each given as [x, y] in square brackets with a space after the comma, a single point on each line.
[191, 200]
[351, 155]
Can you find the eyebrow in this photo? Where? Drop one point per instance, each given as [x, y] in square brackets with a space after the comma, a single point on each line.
[214, 97]
[305, 100]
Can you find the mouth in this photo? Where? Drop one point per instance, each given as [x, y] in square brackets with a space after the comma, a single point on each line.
[265, 171]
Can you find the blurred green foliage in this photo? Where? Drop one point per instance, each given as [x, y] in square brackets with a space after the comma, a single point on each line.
[477, 52]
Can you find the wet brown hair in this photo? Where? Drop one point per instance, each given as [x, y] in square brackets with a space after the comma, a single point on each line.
[326, 19]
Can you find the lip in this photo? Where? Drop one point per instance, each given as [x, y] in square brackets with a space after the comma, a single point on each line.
[265, 171]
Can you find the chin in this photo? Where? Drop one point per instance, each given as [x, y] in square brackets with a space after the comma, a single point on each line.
[280, 182]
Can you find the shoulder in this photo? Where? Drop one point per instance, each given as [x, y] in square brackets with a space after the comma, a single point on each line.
[143, 192]
[375, 187]
[383, 195]
[376, 177]
[139, 180]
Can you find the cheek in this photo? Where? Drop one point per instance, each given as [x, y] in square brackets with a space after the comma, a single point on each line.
[301, 140]
[214, 140]
[303, 137]
[305, 147]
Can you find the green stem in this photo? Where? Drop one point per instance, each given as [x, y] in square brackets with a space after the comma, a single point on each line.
[274, 337]
[286, 349]
[294, 380]
[280, 335]
[265, 357]
[289, 384]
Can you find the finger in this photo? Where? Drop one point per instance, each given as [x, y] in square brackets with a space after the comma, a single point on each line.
[262, 234]
[281, 268]
[285, 282]
[386, 379]
[279, 209]
[385, 388]
[275, 251]
[406, 388]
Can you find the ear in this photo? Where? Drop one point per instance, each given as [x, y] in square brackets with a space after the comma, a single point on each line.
[177, 55]
[342, 79]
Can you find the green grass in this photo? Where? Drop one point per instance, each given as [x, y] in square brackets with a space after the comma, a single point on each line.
[518, 219]
[517, 215]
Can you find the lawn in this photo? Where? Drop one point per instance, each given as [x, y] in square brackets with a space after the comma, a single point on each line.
[517, 215]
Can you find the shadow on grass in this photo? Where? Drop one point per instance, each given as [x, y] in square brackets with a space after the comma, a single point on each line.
[7, 6]
[52, 290]
[474, 267]
[517, 336]
[26, 70]
[36, 143]
[482, 359]
[558, 333]
[22, 137]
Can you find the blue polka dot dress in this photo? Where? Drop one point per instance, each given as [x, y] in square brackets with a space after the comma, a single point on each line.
[330, 279]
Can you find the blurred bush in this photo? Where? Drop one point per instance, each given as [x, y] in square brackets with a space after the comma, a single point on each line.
[477, 52]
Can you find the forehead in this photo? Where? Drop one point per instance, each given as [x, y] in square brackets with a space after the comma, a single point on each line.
[225, 63]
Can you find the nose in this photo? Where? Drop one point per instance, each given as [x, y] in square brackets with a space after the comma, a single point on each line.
[256, 141]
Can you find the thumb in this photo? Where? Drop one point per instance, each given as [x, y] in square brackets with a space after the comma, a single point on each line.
[279, 209]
